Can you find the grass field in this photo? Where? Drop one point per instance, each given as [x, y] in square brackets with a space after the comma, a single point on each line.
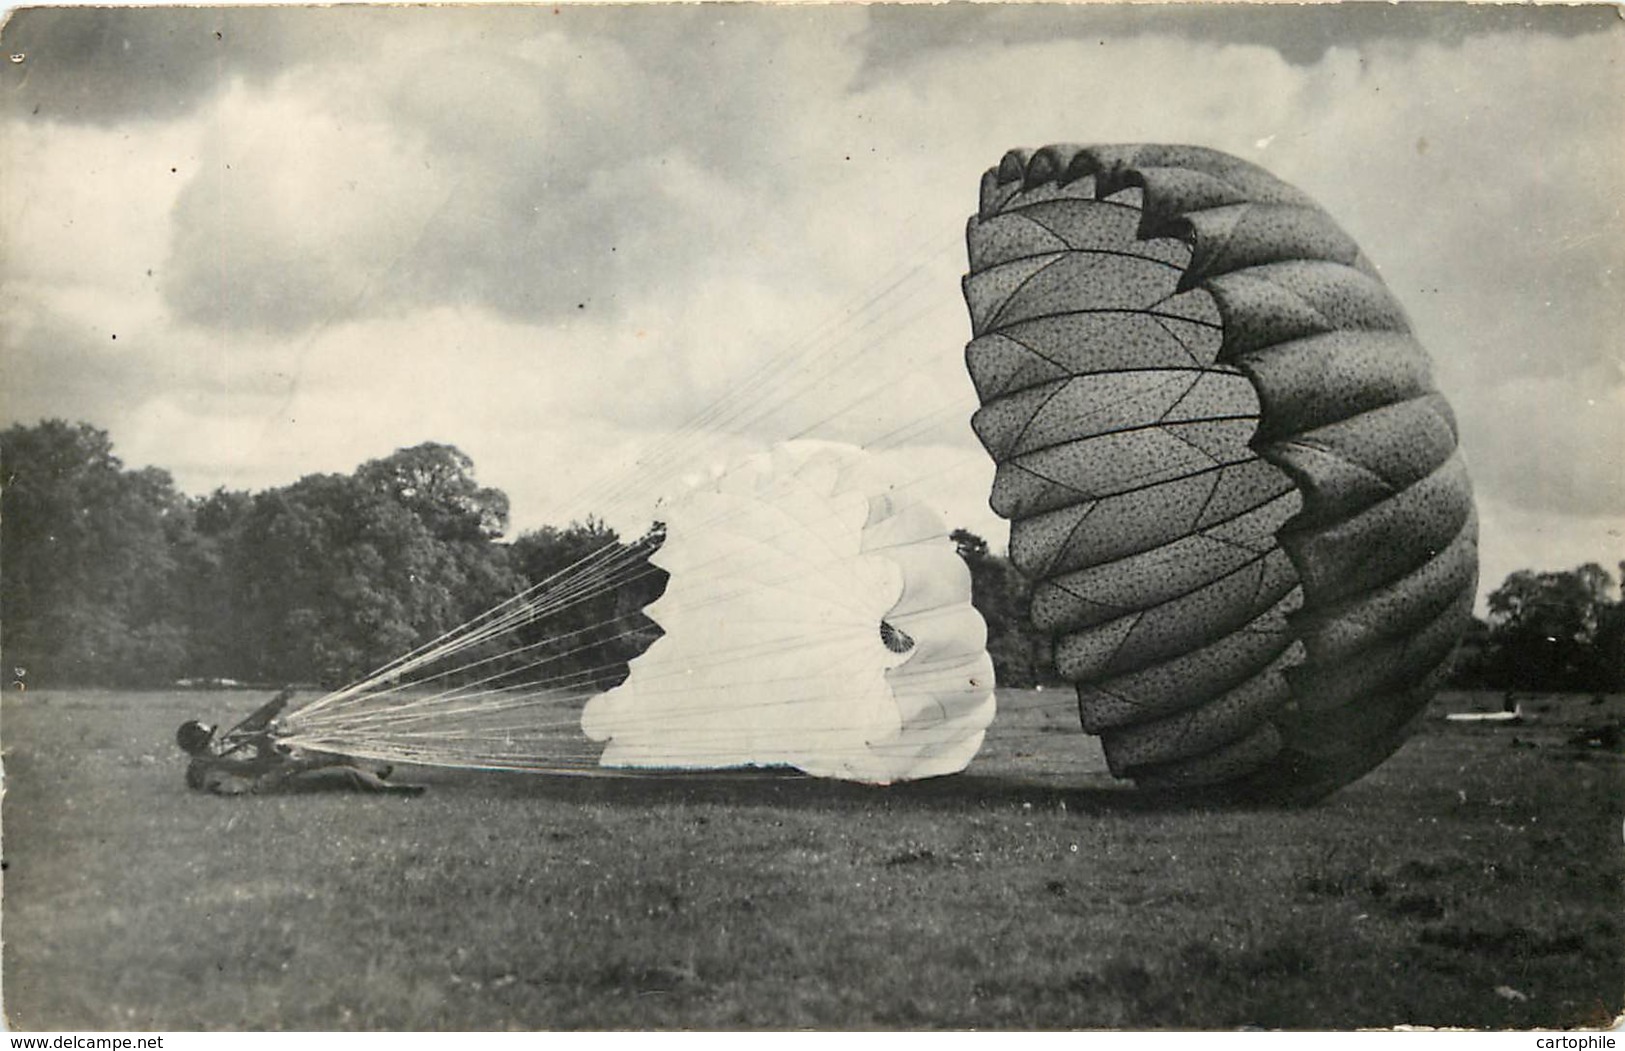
[1474, 880]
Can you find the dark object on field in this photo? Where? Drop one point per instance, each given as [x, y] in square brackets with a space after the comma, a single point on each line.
[1418, 906]
[1504, 939]
[1609, 737]
[910, 857]
[248, 759]
[1224, 464]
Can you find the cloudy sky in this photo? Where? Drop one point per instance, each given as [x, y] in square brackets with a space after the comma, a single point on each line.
[256, 243]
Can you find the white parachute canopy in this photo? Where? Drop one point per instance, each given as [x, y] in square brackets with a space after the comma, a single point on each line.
[814, 618]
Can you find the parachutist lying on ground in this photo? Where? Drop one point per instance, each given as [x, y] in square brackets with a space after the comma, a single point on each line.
[248, 758]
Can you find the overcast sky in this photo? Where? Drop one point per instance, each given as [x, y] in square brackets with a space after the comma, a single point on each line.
[258, 243]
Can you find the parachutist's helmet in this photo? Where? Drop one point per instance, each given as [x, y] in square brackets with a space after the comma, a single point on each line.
[193, 736]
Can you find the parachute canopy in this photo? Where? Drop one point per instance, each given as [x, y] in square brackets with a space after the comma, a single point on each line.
[814, 618]
[1224, 463]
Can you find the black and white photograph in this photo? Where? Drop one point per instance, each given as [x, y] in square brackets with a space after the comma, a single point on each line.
[769, 517]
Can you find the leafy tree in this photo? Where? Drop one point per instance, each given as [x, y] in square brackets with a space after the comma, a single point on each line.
[1470, 665]
[204, 571]
[1021, 653]
[542, 553]
[1554, 630]
[334, 575]
[436, 483]
[971, 548]
[589, 642]
[1609, 645]
[221, 512]
[88, 592]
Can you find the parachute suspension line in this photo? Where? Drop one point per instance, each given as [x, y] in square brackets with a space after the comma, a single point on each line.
[392, 728]
[775, 398]
[749, 400]
[534, 602]
[882, 383]
[601, 574]
[464, 689]
[622, 566]
[491, 701]
[517, 608]
[761, 396]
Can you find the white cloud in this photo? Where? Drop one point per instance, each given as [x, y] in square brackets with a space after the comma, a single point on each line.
[298, 210]
[85, 205]
[1550, 444]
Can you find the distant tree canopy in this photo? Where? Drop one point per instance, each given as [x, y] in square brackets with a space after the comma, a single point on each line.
[436, 484]
[587, 643]
[90, 558]
[335, 575]
[112, 577]
[1554, 631]
[1020, 652]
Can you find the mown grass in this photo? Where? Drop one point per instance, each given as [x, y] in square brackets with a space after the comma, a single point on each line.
[1473, 880]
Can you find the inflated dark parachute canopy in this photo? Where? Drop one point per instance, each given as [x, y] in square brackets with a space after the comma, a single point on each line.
[1224, 464]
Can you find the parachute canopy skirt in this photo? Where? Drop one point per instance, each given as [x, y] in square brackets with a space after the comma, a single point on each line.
[1224, 464]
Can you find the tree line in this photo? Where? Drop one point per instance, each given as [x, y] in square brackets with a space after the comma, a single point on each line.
[112, 577]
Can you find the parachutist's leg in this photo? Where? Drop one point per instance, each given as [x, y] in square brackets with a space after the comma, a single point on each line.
[366, 781]
[222, 784]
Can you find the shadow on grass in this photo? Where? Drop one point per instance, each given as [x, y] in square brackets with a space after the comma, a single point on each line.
[781, 789]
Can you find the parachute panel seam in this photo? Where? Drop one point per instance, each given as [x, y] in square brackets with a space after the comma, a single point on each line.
[1091, 311]
[1213, 469]
[1155, 425]
[1249, 509]
[1069, 250]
